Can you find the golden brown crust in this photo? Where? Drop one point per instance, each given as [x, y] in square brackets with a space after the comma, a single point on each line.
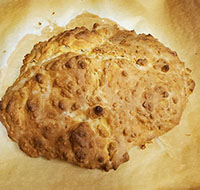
[88, 96]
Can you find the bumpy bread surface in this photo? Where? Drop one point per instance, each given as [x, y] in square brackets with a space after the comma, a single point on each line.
[88, 96]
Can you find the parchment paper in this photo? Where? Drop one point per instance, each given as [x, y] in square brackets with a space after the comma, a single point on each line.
[171, 162]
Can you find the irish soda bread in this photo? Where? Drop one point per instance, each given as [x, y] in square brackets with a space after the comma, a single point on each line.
[88, 96]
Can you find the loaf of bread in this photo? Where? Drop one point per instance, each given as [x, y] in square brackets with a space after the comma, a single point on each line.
[88, 96]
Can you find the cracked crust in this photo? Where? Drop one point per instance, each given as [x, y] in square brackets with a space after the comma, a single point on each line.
[88, 96]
